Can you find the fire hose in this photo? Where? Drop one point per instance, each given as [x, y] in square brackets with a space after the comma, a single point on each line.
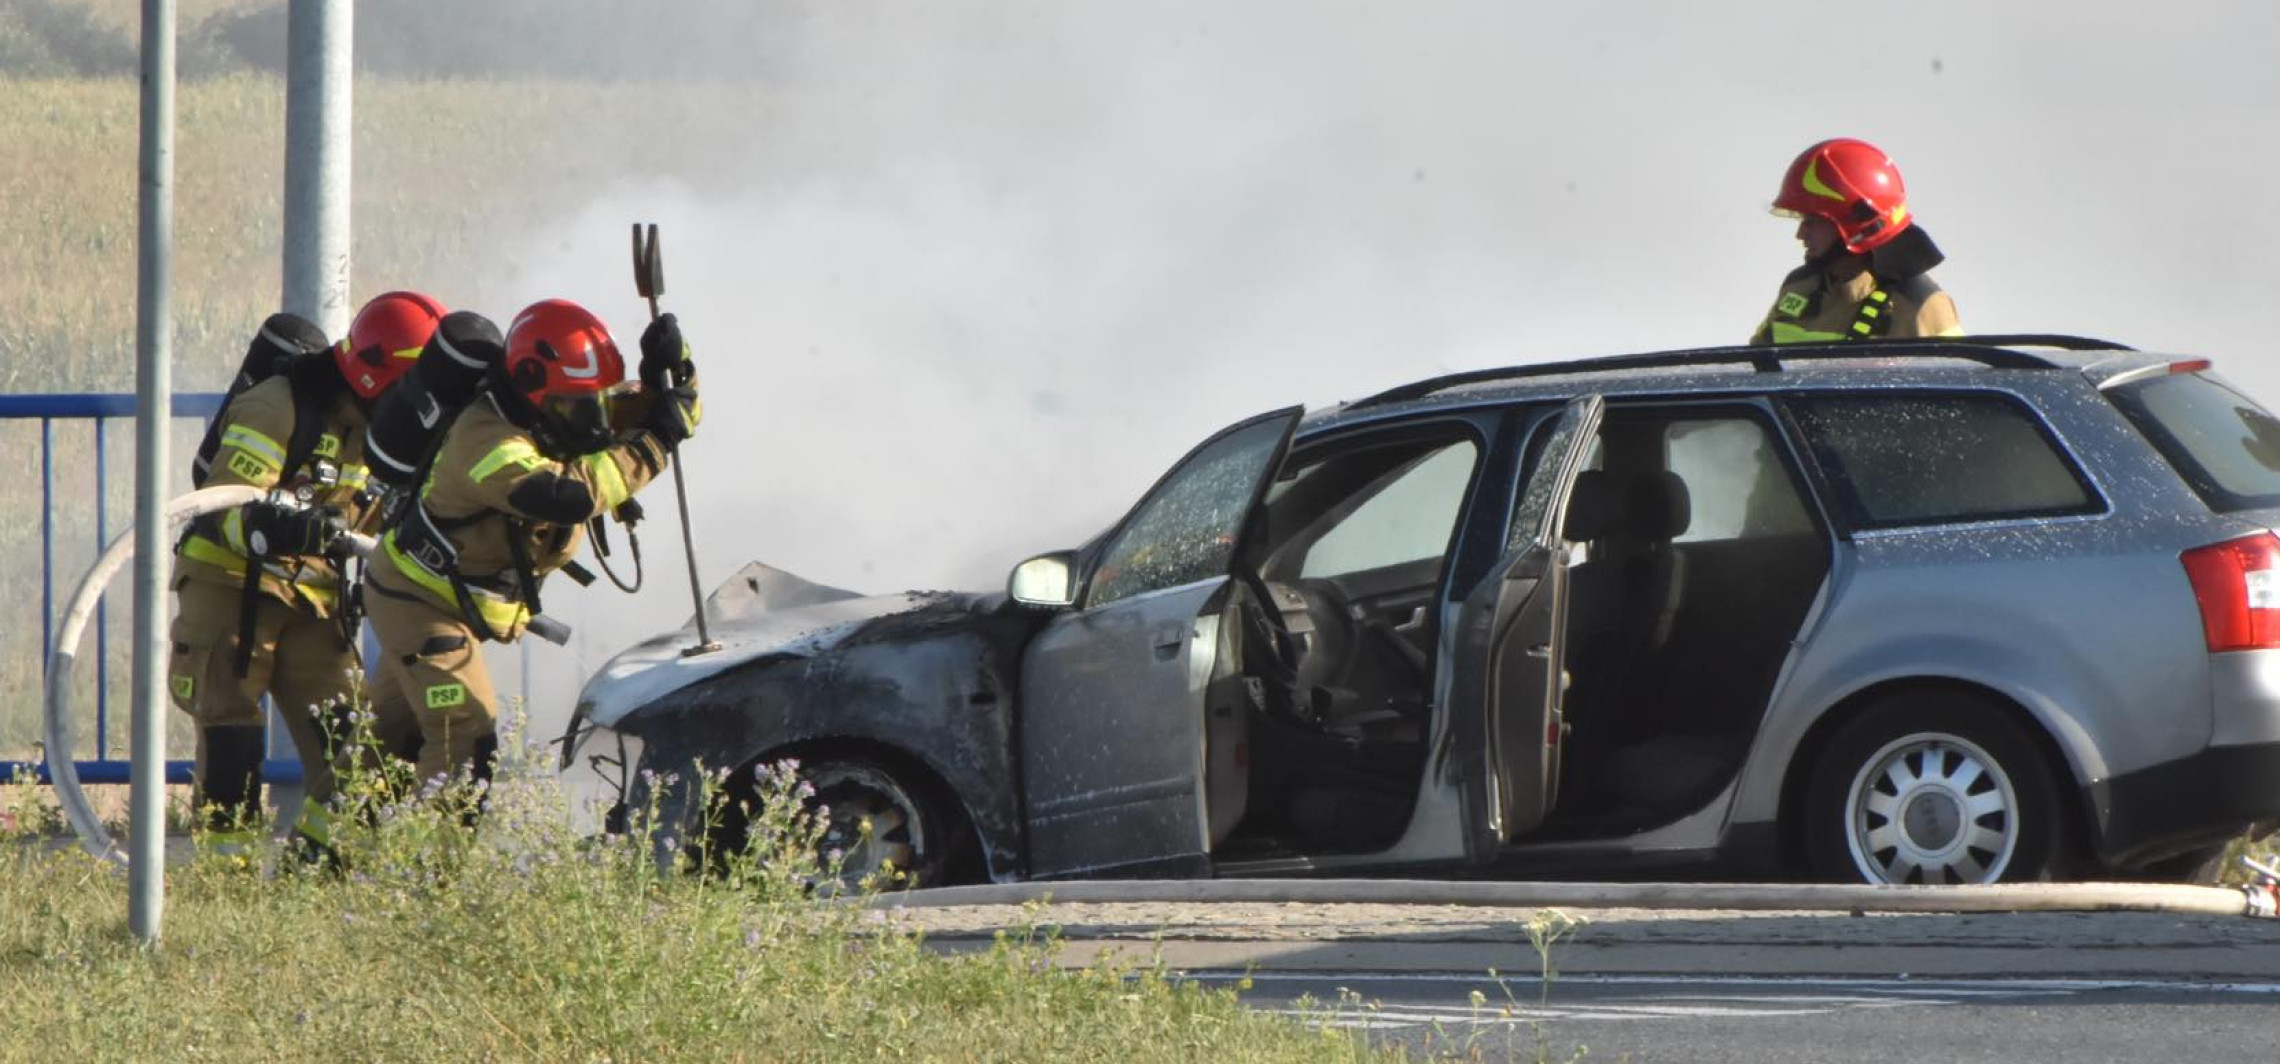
[63, 773]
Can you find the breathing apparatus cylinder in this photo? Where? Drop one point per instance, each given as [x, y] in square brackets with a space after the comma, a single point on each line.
[409, 419]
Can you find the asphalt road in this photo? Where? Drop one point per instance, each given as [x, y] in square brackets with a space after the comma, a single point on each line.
[1775, 1020]
[1703, 986]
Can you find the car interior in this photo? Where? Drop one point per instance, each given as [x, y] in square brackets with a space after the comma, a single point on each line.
[1693, 560]
[1332, 633]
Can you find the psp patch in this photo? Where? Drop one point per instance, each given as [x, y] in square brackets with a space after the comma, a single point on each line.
[1792, 304]
[445, 696]
[249, 467]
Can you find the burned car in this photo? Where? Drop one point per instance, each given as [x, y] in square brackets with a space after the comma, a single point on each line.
[1907, 611]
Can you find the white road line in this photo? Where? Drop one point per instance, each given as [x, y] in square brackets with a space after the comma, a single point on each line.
[1942, 985]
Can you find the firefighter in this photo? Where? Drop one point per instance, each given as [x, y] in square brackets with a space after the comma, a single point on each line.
[522, 468]
[261, 606]
[1867, 263]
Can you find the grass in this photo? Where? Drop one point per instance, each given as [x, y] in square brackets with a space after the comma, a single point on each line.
[518, 942]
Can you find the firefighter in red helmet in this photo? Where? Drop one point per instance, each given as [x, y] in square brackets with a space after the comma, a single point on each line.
[524, 466]
[1867, 271]
[262, 609]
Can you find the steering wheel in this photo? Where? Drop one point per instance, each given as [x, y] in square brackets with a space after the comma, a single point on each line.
[1272, 655]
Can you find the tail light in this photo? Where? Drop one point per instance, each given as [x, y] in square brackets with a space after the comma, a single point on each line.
[2238, 585]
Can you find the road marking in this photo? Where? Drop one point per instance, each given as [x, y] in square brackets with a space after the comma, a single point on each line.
[1692, 998]
[1900, 985]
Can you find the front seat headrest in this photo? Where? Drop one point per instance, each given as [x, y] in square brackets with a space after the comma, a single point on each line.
[1592, 509]
[1659, 505]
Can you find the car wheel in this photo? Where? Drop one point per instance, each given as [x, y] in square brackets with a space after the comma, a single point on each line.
[1932, 789]
[908, 839]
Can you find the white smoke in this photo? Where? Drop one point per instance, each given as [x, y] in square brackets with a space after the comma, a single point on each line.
[987, 269]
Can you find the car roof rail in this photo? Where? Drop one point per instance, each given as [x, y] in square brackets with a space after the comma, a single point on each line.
[1998, 351]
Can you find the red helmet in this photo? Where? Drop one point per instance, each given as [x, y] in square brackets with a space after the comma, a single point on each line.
[1853, 185]
[565, 368]
[385, 339]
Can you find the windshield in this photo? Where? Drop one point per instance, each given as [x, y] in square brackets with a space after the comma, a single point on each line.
[2220, 441]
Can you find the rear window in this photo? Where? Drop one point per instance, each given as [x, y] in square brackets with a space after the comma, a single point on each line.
[2220, 441]
[1897, 460]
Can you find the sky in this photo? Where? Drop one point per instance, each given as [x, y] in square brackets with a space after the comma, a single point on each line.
[992, 267]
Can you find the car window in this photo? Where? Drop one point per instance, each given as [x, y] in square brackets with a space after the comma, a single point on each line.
[1736, 484]
[1928, 459]
[1186, 529]
[1408, 519]
[2220, 441]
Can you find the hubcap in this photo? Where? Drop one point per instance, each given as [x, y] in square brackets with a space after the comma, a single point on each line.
[1934, 809]
[854, 795]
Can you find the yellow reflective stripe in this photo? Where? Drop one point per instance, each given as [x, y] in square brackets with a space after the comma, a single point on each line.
[500, 614]
[320, 593]
[233, 530]
[517, 453]
[1814, 185]
[254, 443]
[201, 549]
[609, 483]
[1786, 333]
[355, 477]
[315, 823]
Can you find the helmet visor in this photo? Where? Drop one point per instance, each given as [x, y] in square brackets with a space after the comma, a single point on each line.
[583, 416]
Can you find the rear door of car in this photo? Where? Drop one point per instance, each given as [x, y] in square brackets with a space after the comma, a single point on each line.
[1112, 693]
[1507, 644]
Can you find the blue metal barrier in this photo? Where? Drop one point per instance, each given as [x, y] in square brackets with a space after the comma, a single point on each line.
[101, 409]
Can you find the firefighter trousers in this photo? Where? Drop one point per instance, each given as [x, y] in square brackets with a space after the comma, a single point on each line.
[303, 663]
[428, 686]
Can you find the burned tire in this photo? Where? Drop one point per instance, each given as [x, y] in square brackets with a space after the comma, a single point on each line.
[1933, 788]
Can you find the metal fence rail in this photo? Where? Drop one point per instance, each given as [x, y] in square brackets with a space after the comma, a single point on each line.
[100, 409]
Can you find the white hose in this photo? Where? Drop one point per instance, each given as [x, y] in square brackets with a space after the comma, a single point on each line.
[1760, 897]
[63, 773]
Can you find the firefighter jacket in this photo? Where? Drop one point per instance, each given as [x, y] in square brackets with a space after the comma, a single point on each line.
[254, 429]
[1845, 300]
[494, 516]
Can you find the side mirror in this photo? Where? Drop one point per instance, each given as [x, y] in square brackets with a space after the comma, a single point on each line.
[1047, 580]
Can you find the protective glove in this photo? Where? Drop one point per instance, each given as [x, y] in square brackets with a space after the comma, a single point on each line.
[674, 418]
[664, 355]
[274, 531]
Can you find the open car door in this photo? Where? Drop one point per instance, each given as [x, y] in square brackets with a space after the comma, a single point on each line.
[1112, 692]
[1509, 652]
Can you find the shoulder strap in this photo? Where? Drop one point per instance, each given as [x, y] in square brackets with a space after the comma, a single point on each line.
[316, 386]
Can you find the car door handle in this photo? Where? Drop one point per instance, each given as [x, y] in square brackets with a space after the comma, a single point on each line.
[1416, 621]
[1169, 638]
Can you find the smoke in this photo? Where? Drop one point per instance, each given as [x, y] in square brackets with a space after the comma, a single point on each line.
[984, 270]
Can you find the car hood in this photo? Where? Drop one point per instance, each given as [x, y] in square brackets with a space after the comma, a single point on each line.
[761, 612]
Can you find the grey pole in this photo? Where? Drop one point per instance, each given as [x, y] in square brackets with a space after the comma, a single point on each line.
[319, 84]
[319, 40]
[154, 395]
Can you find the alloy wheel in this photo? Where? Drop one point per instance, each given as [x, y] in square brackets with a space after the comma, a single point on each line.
[1931, 808]
[856, 795]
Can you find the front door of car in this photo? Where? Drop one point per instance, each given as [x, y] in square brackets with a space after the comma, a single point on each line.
[1510, 661]
[1112, 692]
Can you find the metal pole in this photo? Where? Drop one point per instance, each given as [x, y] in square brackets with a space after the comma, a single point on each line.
[154, 392]
[319, 36]
[319, 84]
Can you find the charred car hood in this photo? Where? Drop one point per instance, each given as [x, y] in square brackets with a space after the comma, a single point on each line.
[761, 612]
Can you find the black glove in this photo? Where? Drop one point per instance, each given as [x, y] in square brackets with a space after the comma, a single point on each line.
[664, 355]
[674, 417]
[274, 531]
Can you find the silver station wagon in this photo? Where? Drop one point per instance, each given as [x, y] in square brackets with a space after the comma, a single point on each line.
[1954, 611]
